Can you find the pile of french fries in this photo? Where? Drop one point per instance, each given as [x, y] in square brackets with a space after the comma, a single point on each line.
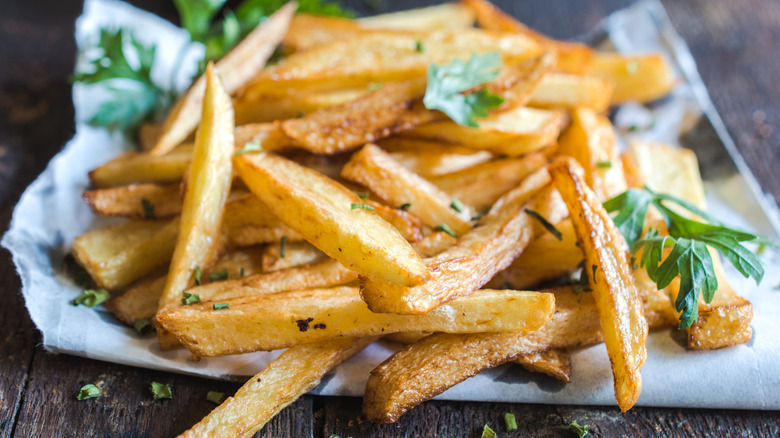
[320, 206]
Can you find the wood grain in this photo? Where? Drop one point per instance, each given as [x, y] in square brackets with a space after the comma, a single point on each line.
[734, 44]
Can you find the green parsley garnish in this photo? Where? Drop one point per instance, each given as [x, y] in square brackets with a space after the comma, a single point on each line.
[91, 297]
[510, 421]
[197, 275]
[221, 306]
[241, 272]
[148, 209]
[580, 430]
[545, 223]
[581, 283]
[250, 146]
[143, 326]
[456, 205]
[362, 195]
[405, 206]
[689, 239]
[487, 432]
[188, 298]
[160, 390]
[446, 228]
[219, 275]
[282, 245]
[355, 205]
[604, 164]
[375, 86]
[88, 391]
[334, 436]
[419, 47]
[215, 397]
[447, 83]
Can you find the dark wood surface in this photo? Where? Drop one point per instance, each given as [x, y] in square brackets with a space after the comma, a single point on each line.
[734, 43]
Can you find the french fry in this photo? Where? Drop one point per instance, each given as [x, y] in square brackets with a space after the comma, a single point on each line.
[572, 57]
[116, 256]
[558, 90]
[514, 132]
[447, 16]
[206, 192]
[406, 224]
[270, 322]
[405, 338]
[271, 108]
[434, 243]
[290, 255]
[247, 221]
[425, 369]
[377, 170]
[591, 140]
[483, 184]
[307, 31]
[237, 67]
[640, 78]
[141, 167]
[479, 254]
[294, 373]
[429, 158]
[331, 218]
[554, 362]
[619, 306]
[382, 57]
[137, 201]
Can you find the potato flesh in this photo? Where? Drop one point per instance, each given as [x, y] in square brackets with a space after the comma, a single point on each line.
[554, 362]
[640, 78]
[557, 90]
[283, 320]
[131, 201]
[294, 373]
[295, 254]
[427, 158]
[138, 167]
[321, 210]
[619, 306]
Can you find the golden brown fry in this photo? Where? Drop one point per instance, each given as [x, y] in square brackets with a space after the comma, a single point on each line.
[406, 224]
[429, 158]
[290, 255]
[377, 170]
[141, 167]
[296, 372]
[206, 193]
[434, 243]
[639, 78]
[447, 16]
[558, 90]
[307, 31]
[619, 306]
[405, 338]
[554, 362]
[247, 221]
[137, 201]
[481, 185]
[425, 369]
[479, 254]
[148, 134]
[286, 319]
[237, 67]
[591, 140]
[514, 132]
[116, 256]
[271, 108]
[572, 57]
[331, 218]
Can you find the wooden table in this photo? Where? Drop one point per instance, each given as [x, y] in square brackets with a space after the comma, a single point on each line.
[735, 45]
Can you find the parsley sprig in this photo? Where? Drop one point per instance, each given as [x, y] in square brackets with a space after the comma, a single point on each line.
[447, 84]
[688, 239]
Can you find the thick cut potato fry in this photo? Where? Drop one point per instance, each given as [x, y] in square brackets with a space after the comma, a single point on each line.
[479, 254]
[237, 67]
[427, 368]
[554, 362]
[483, 184]
[137, 201]
[377, 170]
[640, 78]
[621, 315]
[290, 255]
[271, 108]
[726, 320]
[447, 16]
[430, 158]
[294, 373]
[406, 223]
[572, 57]
[140, 167]
[329, 216]
[434, 243]
[307, 31]
[116, 256]
[141, 301]
[382, 57]
[207, 190]
[247, 221]
[591, 140]
[514, 132]
[558, 90]
[270, 322]
[405, 338]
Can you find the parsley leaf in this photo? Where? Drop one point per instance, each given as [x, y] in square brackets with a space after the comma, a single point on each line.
[160, 390]
[143, 326]
[580, 430]
[688, 239]
[91, 297]
[545, 223]
[510, 421]
[446, 228]
[220, 306]
[215, 397]
[487, 432]
[360, 205]
[188, 298]
[88, 391]
[447, 83]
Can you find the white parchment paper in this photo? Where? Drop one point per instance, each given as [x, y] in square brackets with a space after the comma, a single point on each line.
[51, 213]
